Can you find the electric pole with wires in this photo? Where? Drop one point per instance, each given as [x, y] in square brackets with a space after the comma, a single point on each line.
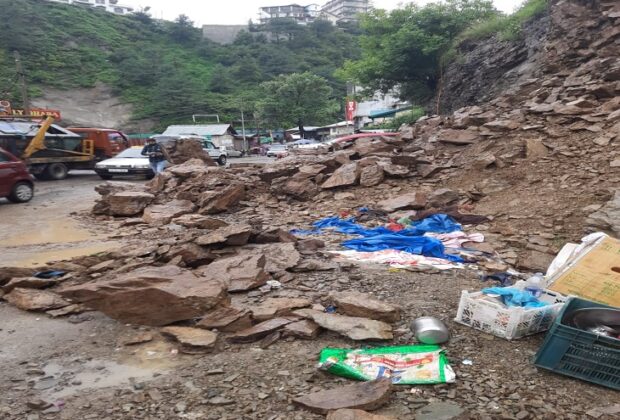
[22, 82]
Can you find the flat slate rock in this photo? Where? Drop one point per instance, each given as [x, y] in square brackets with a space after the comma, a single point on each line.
[275, 307]
[439, 411]
[358, 304]
[353, 327]
[35, 300]
[362, 395]
[226, 319]
[303, 329]
[349, 414]
[193, 340]
[261, 330]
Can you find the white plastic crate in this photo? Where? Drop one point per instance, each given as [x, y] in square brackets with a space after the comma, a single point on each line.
[508, 322]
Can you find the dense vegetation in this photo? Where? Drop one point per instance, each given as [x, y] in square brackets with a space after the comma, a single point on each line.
[281, 74]
[406, 48]
[165, 69]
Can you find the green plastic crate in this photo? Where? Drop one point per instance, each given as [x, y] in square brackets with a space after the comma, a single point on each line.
[580, 354]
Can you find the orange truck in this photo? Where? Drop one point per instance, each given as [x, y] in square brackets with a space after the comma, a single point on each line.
[51, 151]
[108, 142]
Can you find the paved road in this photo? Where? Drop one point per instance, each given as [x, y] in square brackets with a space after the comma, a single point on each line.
[47, 228]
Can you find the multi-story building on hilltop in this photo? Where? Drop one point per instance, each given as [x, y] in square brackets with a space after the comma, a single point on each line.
[300, 14]
[345, 10]
[111, 6]
[335, 11]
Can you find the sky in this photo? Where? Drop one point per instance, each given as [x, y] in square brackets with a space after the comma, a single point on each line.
[229, 12]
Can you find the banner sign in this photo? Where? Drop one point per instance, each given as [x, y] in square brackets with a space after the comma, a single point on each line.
[6, 110]
[351, 108]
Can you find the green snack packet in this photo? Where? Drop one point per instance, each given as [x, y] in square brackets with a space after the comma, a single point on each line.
[404, 365]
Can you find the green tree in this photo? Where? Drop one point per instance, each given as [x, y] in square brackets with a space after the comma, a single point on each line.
[297, 99]
[183, 30]
[221, 82]
[402, 48]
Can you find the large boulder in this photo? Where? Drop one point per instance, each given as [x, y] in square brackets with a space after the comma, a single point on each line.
[240, 273]
[233, 235]
[213, 202]
[35, 300]
[178, 151]
[344, 176]
[162, 214]
[299, 186]
[151, 296]
[371, 175]
[128, 203]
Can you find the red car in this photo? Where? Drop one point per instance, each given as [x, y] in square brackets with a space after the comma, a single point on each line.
[16, 183]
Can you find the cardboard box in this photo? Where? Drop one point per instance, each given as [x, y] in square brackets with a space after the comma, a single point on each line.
[592, 274]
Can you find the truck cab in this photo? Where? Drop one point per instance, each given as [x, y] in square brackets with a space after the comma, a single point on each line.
[108, 142]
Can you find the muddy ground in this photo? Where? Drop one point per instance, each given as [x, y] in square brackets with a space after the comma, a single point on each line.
[81, 364]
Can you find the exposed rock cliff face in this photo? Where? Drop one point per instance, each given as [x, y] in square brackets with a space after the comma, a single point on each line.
[482, 69]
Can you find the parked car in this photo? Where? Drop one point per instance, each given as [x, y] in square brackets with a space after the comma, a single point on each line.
[220, 155]
[232, 152]
[128, 162]
[16, 183]
[277, 151]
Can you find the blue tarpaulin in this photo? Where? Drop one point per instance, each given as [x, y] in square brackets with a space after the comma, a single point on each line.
[380, 238]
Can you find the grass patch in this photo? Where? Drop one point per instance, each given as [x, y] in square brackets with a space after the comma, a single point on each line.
[507, 27]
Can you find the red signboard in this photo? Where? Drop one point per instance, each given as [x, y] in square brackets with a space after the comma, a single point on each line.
[38, 112]
[351, 107]
[5, 109]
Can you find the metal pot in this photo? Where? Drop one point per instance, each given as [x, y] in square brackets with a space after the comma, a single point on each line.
[430, 330]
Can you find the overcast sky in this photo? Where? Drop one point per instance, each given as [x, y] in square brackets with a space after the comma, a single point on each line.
[240, 11]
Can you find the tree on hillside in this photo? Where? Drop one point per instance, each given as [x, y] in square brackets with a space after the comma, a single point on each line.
[402, 48]
[183, 30]
[297, 99]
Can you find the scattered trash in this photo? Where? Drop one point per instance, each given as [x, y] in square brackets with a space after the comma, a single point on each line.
[400, 259]
[430, 330]
[49, 274]
[467, 362]
[403, 365]
[504, 278]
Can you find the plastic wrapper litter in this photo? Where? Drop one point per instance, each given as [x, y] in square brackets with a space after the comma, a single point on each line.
[404, 365]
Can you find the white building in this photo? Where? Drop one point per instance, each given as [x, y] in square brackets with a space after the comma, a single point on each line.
[300, 14]
[345, 10]
[111, 6]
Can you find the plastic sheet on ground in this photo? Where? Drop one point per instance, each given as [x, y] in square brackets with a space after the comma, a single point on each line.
[456, 239]
[399, 259]
[404, 365]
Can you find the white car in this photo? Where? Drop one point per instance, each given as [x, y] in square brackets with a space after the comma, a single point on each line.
[277, 151]
[232, 152]
[128, 162]
[220, 155]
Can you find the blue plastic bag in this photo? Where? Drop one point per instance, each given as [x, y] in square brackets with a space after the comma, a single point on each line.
[515, 297]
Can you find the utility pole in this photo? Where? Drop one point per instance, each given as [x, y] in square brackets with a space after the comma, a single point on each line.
[245, 145]
[22, 82]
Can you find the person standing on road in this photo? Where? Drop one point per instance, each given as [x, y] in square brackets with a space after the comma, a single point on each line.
[156, 156]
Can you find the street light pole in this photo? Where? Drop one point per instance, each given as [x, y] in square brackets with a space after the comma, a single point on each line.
[245, 145]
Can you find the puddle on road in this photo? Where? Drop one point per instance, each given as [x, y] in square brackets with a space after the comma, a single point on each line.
[17, 257]
[54, 231]
[147, 362]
